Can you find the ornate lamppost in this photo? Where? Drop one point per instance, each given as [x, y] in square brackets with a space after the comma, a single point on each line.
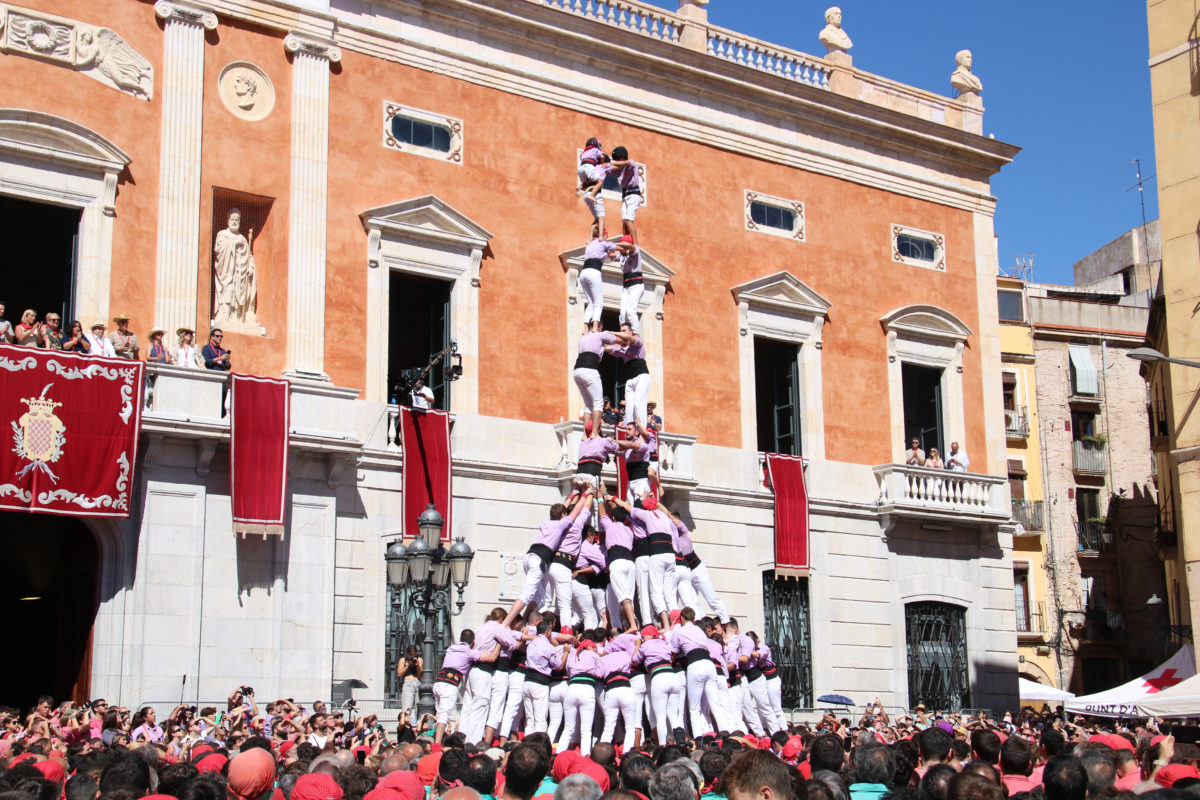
[427, 569]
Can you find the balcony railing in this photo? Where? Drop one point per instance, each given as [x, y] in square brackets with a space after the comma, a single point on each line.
[674, 456]
[937, 494]
[1092, 535]
[1033, 621]
[1089, 457]
[1030, 513]
[1016, 423]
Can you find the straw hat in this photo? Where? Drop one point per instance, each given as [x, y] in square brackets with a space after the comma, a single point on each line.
[121, 318]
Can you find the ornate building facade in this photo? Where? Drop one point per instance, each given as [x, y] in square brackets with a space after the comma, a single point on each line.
[820, 265]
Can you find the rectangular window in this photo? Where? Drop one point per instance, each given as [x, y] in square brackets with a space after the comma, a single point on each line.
[936, 635]
[612, 370]
[918, 248]
[786, 628]
[1021, 598]
[777, 395]
[1012, 306]
[422, 133]
[418, 329]
[923, 406]
[39, 261]
[1083, 424]
[774, 215]
[1090, 524]
[1009, 380]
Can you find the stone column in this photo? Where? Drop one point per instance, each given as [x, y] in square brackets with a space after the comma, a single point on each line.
[308, 199]
[178, 255]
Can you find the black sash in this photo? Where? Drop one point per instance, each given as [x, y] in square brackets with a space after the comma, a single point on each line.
[587, 360]
[640, 548]
[659, 544]
[632, 279]
[566, 559]
[590, 465]
[543, 552]
[631, 190]
[636, 367]
[619, 553]
[616, 681]
[533, 676]
[637, 470]
[692, 560]
[450, 676]
[696, 655]
[753, 673]
[770, 672]
[593, 263]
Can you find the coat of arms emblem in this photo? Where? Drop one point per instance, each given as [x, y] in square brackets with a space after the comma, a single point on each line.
[39, 435]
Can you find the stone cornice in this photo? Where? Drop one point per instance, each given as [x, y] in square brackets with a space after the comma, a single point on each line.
[673, 90]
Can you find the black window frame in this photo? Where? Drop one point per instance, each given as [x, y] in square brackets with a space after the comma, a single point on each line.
[773, 216]
[905, 243]
[409, 135]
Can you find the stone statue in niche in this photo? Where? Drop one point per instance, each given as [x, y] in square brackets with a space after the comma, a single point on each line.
[963, 79]
[234, 274]
[832, 36]
[103, 50]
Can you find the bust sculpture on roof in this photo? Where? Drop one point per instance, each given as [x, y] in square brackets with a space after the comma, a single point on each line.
[833, 37]
[963, 79]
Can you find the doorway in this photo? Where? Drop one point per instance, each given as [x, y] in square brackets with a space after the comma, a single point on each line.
[418, 329]
[923, 406]
[49, 599]
[777, 396]
[39, 262]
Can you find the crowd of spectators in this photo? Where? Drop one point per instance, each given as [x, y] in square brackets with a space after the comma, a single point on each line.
[284, 751]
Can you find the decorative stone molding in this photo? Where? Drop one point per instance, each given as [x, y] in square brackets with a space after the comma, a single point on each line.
[246, 91]
[453, 126]
[783, 308]
[98, 52]
[178, 249]
[797, 232]
[425, 237]
[309, 203]
[938, 240]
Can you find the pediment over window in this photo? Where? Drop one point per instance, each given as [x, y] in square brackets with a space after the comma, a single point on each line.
[45, 137]
[427, 218]
[655, 272]
[782, 292]
[925, 322]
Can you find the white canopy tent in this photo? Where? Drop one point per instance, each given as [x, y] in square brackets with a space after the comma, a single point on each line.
[1180, 700]
[1032, 690]
[1125, 700]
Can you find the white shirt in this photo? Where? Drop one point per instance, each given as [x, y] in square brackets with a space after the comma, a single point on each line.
[958, 462]
[101, 346]
[318, 741]
[422, 398]
[188, 355]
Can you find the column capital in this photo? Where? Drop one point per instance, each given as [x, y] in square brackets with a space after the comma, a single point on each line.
[186, 12]
[296, 42]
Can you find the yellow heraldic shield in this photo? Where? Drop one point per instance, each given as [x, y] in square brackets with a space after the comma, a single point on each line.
[39, 435]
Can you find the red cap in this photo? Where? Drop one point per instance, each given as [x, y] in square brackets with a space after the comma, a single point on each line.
[51, 770]
[1118, 742]
[650, 502]
[790, 750]
[650, 632]
[1167, 776]
[566, 630]
[587, 644]
[674, 616]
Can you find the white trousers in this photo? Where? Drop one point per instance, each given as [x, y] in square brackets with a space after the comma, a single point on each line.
[631, 297]
[640, 691]
[560, 579]
[775, 693]
[621, 702]
[579, 711]
[533, 592]
[558, 696]
[499, 698]
[637, 486]
[622, 580]
[582, 607]
[444, 698]
[642, 564]
[662, 582]
[702, 687]
[630, 204]
[588, 383]
[724, 714]
[760, 700]
[512, 704]
[637, 395]
[684, 589]
[536, 701]
[592, 282]
[475, 705]
[666, 700]
[744, 708]
[600, 604]
[410, 690]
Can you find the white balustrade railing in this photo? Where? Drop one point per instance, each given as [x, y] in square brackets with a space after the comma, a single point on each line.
[637, 17]
[769, 58]
[919, 488]
[674, 452]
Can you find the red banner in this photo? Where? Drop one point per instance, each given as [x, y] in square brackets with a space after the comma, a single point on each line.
[425, 439]
[74, 422]
[785, 474]
[258, 453]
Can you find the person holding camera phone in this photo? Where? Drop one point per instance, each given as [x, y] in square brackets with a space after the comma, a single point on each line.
[409, 672]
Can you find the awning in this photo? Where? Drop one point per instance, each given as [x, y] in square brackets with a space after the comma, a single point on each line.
[1086, 381]
[1126, 699]
[1032, 690]
[1180, 700]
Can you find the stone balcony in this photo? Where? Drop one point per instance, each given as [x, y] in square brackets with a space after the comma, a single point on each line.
[940, 496]
[674, 458]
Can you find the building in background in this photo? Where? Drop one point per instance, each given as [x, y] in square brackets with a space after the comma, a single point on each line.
[1172, 330]
[404, 173]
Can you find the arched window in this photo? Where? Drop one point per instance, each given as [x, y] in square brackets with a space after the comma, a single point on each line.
[936, 634]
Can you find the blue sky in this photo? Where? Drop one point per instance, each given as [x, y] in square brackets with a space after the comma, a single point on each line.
[1064, 79]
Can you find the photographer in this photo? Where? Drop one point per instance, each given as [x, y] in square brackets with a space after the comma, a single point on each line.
[409, 672]
[422, 395]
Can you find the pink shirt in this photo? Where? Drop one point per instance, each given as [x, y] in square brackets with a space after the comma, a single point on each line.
[573, 538]
[583, 662]
[684, 539]
[599, 248]
[651, 522]
[552, 531]
[1018, 783]
[597, 447]
[687, 638]
[594, 342]
[616, 534]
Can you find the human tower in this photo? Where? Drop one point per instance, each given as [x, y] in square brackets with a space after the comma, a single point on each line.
[607, 617]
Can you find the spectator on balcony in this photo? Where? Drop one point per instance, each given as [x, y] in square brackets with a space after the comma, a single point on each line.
[935, 461]
[186, 353]
[6, 329]
[123, 340]
[158, 353]
[422, 395]
[655, 419]
[28, 330]
[610, 414]
[52, 332]
[915, 457]
[100, 345]
[215, 357]
[77, 341]
[957, 461]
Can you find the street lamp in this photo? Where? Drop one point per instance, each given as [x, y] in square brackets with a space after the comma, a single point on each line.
[1151, 356]
[427, 569]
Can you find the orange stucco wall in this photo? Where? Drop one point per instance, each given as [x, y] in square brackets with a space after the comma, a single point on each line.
[517, 180]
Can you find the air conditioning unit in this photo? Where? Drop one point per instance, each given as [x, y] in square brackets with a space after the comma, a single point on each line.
[1012, 419]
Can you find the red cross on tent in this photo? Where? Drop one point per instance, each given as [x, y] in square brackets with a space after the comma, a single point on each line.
[1164, 681]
